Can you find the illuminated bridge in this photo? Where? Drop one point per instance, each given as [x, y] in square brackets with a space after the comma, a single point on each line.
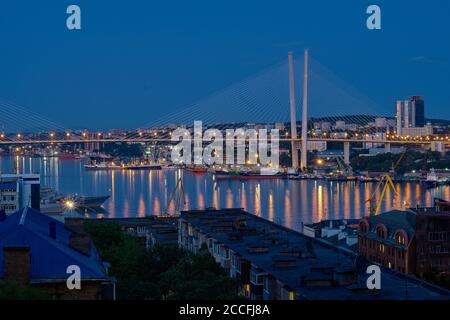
[266, 98]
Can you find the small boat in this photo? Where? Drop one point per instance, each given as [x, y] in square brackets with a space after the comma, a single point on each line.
[102, 166]
[341, 178]
[442, 204]
[66, 156]
[366, 179]
[197, 169]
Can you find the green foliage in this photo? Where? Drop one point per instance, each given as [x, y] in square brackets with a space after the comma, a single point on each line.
[105, 235]
[9, 291]
[197, 277]
[161, 272]
[412, 160]
[123, 149]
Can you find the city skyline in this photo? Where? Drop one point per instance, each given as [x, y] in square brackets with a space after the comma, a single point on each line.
[139, 56]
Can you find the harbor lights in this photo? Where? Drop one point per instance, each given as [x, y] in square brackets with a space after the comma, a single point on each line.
[52, 135]
[69, 204]
[2, 136]
[19, 136]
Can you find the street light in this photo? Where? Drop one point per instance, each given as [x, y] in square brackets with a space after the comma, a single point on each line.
[69, 204]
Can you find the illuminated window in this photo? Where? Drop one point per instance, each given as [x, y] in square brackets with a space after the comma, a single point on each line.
[400, 239]
[381, 232]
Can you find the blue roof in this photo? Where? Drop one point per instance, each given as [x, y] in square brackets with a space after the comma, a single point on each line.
[8, 186]
[49, 257]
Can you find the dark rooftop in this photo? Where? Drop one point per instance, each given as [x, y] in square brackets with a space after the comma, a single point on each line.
[315, 261]
[395, 220]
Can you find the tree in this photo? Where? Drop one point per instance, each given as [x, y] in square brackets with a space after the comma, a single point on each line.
[10, 291]
[161, 272]
[197, 277]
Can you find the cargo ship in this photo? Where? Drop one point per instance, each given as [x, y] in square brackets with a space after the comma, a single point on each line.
[91, 202]
[53, 202]
[249, 175]
[434, 181]
[141, 167]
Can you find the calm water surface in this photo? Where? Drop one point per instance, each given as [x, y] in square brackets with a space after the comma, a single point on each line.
[288, 202]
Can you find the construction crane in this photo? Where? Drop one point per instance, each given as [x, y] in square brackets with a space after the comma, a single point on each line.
[346, 169]
[386, 182]
[179, 197]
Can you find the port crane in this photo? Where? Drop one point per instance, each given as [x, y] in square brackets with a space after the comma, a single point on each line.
[177, 196]
[385, 183]
[346, 169]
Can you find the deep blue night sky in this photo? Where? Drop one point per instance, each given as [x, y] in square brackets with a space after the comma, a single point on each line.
[135, 60]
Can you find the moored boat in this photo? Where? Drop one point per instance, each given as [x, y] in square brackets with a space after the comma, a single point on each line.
[222, 174]
[102, 166]
[66, 156]
[197, 169]
[142, 167]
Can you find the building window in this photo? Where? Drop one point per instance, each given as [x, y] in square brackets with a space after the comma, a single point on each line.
[364, 226]
[381, 231]
[438, 236]
[400, 237]
[256, 278]
[439, 250]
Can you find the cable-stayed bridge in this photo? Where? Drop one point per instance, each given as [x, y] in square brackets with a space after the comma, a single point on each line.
[267, 97]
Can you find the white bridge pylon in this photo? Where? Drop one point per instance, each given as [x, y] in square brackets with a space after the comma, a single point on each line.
[293, 112]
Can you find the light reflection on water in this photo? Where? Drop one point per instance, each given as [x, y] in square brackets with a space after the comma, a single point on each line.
[140, 193]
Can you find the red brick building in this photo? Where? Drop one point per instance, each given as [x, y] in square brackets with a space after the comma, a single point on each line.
[414, 241]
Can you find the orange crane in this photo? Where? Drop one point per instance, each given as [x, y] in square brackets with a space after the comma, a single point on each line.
[388, 183]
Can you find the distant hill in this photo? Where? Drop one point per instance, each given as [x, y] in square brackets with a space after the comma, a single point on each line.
[440, 122]
[360, 119]
[365, 119]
